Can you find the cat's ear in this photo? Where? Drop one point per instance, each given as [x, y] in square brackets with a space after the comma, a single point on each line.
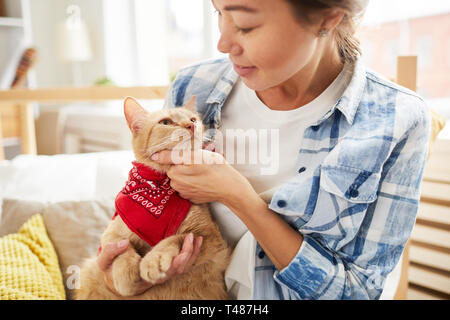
[134, 113]
[191, 105]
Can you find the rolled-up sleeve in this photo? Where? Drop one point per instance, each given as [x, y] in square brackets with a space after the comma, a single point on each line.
[311, 271]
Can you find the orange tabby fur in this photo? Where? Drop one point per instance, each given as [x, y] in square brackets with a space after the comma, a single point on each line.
[205, 280]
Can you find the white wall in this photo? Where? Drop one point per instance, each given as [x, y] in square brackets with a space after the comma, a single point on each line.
[46, 15]
[151, 37]
[119, 42]
[127, 56]
[135, 42]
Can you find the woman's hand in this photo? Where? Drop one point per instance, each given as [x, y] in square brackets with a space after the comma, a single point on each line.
[180, 264]
[204, 177]
[219, 181]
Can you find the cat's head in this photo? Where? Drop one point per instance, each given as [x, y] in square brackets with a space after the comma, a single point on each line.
[165, 129]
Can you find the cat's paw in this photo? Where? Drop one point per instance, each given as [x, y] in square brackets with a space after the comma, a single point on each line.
[154, 265]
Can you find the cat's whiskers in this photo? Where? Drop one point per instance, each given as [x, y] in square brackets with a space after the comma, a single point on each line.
[175, 137]
[148, 152]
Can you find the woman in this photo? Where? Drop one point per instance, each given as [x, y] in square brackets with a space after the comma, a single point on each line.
[352, 147]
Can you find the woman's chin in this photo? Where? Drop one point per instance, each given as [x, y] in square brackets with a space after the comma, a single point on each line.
[255, 84]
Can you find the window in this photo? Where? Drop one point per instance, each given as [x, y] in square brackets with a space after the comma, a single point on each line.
[192, 32]
[185, 32]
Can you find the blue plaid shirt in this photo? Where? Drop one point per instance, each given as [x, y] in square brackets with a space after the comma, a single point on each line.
[356, 203]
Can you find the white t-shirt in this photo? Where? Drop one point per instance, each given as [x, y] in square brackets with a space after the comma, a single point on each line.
[262, 144]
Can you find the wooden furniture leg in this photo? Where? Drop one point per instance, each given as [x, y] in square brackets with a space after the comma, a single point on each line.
[406, 77]
[28, 133]
[2, 153]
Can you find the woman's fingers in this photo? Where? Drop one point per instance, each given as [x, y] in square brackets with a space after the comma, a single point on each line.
[190, 255]
[197, 246]
[110, 252]
[106, 258]
[185, 253]
[187, 256]
[180, 264]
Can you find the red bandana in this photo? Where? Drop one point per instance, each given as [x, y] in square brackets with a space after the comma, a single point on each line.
[149, 206]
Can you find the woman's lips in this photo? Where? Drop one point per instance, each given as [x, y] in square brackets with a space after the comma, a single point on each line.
[243, 71]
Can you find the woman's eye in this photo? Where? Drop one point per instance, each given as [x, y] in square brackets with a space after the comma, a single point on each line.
[244, 30]
[165, 121]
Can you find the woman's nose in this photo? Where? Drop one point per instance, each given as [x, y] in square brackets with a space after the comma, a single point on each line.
[224, 44]
[227, 45]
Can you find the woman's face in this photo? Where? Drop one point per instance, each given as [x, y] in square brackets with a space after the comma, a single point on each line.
[265, 42]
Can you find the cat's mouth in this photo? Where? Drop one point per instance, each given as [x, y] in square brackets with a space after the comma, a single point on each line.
[180, 139]
[184, 136]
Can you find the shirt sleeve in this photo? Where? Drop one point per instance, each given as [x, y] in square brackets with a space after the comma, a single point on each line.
[375, 233]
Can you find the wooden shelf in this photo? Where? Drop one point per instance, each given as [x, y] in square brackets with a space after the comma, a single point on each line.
[428, 278]
[11, 22]
[429, 256]
[434, 213]
[429, 235]
[420, 293]
[79, 94]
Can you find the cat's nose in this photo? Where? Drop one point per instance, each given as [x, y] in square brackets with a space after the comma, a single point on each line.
[190, 126]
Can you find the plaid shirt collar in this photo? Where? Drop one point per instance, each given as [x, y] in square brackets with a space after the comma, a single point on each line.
[347, 103]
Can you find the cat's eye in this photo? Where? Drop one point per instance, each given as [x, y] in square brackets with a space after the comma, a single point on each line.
[166, 121]
[193, 120]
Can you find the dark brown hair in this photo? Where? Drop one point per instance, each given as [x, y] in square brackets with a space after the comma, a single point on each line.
[347, 43]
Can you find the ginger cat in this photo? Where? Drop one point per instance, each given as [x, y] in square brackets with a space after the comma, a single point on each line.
[154, 132]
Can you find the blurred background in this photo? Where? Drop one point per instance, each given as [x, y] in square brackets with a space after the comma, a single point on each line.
[144, 43]
[140, 43]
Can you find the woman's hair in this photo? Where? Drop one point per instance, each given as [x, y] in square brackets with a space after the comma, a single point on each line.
[347, 43]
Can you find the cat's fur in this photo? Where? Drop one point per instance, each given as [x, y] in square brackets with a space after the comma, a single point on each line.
[205, 280]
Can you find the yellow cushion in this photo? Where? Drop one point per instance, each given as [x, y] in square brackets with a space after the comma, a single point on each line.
[29, 267]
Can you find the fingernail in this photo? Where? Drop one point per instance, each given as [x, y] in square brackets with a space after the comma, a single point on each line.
[191, 238]
[155, 156]
[122, 244]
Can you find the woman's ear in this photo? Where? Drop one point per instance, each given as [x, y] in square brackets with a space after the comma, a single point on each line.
[134, 113]
[331, 19]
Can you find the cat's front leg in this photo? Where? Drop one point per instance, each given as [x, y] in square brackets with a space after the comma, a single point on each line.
[125, 273]
[156, 262]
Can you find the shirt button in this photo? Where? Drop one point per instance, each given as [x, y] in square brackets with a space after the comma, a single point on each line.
[353, 192]
[281, 203]
[301, 169]
[261, 254]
